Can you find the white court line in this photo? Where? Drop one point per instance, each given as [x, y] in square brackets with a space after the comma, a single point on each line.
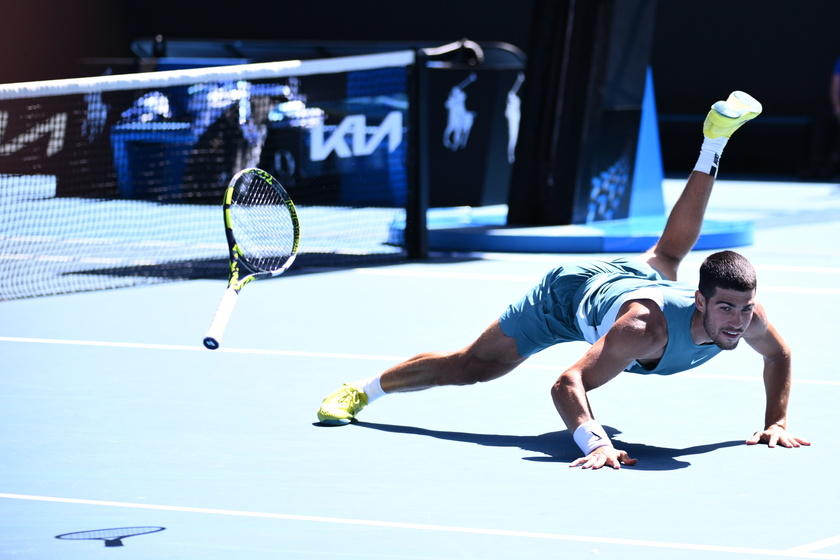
[444, 275]
[795, 268]
[799, 290]
[199, 348]
[790, 553]
[693, 265]
[715, 376]
[339, 356]
[422, 273]
[816, 545]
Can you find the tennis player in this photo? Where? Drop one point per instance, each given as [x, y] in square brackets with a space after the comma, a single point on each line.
[632, 312]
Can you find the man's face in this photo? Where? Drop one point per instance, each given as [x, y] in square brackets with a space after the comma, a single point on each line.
[726, 315]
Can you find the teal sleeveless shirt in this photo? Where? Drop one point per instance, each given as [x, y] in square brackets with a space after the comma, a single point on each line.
[602, 295]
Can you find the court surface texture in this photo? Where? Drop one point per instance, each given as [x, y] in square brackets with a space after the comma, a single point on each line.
[115, 417]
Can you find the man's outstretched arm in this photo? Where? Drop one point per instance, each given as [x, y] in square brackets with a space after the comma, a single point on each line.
[764, 339]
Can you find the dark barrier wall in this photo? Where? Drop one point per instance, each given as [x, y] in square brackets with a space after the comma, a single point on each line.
[781, 51]
[582, 104]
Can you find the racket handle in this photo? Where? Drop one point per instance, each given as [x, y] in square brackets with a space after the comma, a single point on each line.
[213, 338]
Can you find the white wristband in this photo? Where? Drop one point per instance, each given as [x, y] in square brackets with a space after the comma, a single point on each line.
[590, 436]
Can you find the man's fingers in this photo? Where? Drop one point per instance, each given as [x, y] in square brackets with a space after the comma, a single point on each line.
[789, 441]
[626, 459]
[794, 441]
[596, 460]
[584, 463]
[593, 461]
[772, 438]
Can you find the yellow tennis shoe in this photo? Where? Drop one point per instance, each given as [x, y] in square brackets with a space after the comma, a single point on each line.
[341, 406]
[726, 117]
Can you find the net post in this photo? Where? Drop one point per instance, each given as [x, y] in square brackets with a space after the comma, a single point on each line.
[417, 200]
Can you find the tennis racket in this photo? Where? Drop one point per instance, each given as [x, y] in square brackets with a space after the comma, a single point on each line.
[263, 235]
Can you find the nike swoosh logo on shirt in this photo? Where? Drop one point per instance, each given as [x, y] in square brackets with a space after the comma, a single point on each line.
[698, 360]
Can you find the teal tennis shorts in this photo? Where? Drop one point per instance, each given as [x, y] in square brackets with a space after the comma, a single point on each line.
[545, 316]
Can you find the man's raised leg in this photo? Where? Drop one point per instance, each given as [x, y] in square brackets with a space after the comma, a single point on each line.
[682, 230]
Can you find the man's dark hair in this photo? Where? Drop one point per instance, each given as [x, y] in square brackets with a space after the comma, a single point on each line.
[726, 270]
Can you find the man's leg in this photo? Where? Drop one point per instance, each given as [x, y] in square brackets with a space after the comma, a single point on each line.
[686, 219]
[491, 356]
[683, 226]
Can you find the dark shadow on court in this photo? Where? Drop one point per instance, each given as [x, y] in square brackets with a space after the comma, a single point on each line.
[111, 537]
[305, 263]
[560, 447]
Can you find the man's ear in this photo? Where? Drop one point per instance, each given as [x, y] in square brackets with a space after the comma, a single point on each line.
[699, 301]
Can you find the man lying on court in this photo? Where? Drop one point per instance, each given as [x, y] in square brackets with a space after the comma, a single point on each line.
[631, 310]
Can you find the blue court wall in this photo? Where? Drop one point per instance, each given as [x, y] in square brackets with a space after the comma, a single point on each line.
[646, 196]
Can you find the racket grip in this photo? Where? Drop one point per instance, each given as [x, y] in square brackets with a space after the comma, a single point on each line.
[213, 338]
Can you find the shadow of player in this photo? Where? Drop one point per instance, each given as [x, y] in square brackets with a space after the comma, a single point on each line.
[560, 447]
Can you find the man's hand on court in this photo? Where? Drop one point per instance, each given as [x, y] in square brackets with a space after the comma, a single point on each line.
[604, 456]
[775, 434]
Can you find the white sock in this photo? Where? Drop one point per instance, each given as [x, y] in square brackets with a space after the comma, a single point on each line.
[710, 153]
[371, 387]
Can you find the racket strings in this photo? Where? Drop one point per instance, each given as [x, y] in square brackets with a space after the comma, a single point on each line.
[262, 218]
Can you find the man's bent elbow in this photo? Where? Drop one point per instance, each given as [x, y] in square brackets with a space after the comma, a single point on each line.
[569, 383]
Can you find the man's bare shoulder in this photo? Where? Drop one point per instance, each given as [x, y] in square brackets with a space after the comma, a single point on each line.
[759, 323]
[641, 326]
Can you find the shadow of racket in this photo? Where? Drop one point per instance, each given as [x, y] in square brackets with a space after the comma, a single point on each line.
[112, 537]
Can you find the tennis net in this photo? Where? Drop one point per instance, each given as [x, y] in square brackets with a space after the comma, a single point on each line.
[116, 181]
